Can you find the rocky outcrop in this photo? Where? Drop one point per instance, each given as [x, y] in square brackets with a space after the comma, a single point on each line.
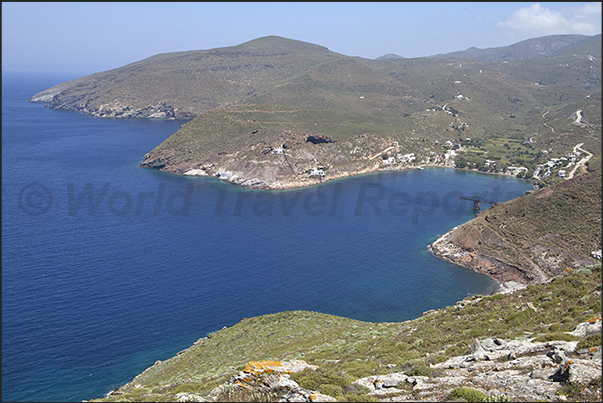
[116, 109]
[303, 395]
[502, 370]
[272, 376]
[531, 239]
[514, 370]
[460, 245]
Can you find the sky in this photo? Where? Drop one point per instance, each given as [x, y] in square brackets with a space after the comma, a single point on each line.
[90, 37]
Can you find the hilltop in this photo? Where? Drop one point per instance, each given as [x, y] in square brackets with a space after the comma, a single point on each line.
[185, 84]
[276, 113]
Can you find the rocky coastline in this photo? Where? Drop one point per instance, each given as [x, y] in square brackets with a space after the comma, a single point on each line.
[116, 109]
[244, 180]
[510, 278]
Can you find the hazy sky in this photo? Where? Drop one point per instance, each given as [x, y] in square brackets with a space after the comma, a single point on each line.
[90, 37]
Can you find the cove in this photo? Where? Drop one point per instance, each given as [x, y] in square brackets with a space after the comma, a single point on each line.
[108, 267]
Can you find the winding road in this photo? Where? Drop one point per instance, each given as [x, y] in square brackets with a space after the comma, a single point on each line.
[580, 163]
[553, 130]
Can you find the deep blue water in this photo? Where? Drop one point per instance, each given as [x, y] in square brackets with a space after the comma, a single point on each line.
[95, 290]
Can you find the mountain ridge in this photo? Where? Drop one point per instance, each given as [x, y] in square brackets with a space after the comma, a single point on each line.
[533, 48]
[429, 107]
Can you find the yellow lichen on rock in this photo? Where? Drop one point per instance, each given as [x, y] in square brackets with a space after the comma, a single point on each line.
[259, 367]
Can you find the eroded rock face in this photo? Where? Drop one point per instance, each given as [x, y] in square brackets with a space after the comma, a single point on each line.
[460, 245]
[115, 109]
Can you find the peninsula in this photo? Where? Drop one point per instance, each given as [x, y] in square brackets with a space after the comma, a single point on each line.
[276, 113]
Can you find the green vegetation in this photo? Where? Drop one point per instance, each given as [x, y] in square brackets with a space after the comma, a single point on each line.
[467, 395]
[346, 349]
[273, 91]
[273, 109]
[553, 229]
[590, 342]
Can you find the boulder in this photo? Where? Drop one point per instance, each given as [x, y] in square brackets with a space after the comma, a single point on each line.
[588, 328]
[578, 372]
[304, 395]
[280, 381]
[390, 384]
[189, 397]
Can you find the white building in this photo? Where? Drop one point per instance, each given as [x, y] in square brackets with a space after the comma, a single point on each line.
[406, 157]
[449, 153]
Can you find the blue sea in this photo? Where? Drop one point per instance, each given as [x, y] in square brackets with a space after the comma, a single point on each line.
[108, 267]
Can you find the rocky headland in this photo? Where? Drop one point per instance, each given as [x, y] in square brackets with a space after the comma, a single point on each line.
[533, 238]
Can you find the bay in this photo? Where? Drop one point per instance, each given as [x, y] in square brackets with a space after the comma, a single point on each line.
[108, 267]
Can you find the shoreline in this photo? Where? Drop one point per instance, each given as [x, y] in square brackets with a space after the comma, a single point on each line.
[504, 287]
[300, 184]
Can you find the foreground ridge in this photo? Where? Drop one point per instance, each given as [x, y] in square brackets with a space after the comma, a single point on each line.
[540, 343]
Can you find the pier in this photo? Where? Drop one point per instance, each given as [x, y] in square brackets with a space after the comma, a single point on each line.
[477, 200]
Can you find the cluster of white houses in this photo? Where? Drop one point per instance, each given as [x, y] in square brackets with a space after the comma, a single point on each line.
[544, 170]
[399, 158]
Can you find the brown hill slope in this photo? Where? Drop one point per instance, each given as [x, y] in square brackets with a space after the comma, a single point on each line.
[533, 238]
[184, 84]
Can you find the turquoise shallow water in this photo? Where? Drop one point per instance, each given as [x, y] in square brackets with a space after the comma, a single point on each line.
[108, 267]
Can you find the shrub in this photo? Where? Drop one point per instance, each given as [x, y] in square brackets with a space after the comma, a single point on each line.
[420, 369]
[331, 390]
[315, 379]
[467, 394]
[590, 342]
[554, 327]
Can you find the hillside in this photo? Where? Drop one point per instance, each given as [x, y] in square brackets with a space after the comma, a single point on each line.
[273, 113]
[533, 238]
[539, 340]
[511, 112]
[184, 84]
[540, 344]
[537, 48]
